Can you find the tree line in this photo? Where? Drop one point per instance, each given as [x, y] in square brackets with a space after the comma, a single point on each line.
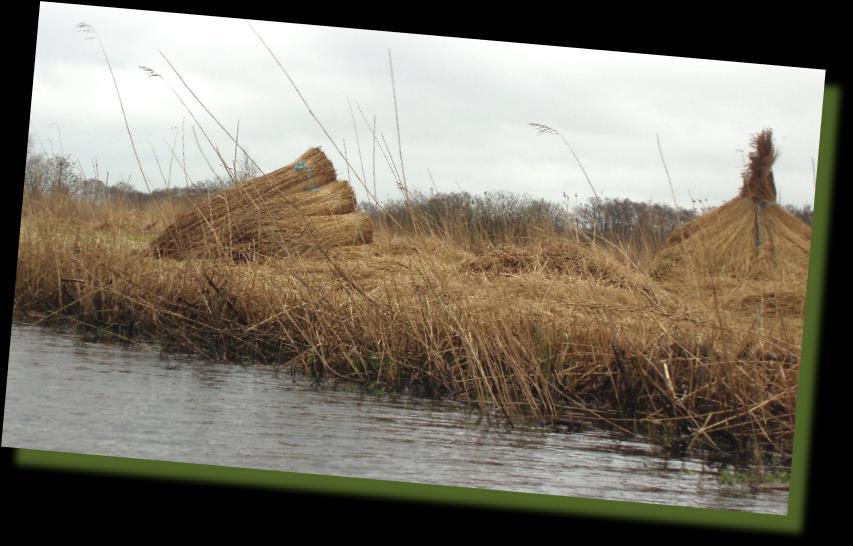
[497, 215]
[505, 215]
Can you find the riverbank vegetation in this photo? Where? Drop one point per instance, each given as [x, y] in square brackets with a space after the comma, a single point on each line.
[540, 312]
[517, 305]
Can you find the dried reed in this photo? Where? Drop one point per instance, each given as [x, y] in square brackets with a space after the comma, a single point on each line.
[538, 344]
[303, 188]
[750, 236]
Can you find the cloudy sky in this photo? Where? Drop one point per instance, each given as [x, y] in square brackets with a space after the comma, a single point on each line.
[464, 107]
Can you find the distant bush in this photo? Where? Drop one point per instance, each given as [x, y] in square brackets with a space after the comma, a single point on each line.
[493, 217]
[50, 173]
[53, 174]
[803, 212]
[503, 216]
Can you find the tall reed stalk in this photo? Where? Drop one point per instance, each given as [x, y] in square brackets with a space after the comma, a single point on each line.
[87, 29]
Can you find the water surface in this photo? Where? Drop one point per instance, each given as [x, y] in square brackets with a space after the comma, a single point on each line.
[64, 394]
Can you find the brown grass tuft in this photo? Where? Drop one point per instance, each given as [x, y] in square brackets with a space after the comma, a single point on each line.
[562, 257]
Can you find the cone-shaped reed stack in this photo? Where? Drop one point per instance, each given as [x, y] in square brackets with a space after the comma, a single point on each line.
[750, 236]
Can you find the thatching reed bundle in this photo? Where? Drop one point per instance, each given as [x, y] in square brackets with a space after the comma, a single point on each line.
[750, 236]
[227, 222]
[281, 237]
[333, 198]
[310, 171]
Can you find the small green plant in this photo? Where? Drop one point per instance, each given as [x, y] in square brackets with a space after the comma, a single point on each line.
[375, 389]
[754, 477]
[374, 360]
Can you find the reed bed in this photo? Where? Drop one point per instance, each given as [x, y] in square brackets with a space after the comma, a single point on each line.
[700, 365]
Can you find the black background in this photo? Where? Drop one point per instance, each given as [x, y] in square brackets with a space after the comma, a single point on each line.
[755, 34]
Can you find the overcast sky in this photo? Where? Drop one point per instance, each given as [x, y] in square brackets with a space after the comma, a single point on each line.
[464, 107]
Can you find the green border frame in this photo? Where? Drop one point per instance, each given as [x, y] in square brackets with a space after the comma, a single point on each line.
[793, 522]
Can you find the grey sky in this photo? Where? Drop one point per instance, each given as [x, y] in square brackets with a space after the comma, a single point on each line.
[464, 107]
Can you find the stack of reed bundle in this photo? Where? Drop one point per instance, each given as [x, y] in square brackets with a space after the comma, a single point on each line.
[298, 206]
[750, 236]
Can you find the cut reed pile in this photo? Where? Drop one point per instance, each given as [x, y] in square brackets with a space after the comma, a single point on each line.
[562, 257]
[749, 237]
[296, 207]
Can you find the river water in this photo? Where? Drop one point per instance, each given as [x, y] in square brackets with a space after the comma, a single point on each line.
[65, 394]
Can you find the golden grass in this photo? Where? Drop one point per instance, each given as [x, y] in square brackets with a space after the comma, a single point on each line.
[558, 256]
[534, 331]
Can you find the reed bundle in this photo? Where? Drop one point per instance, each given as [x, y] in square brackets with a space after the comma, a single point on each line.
[280, 237]
[750, 236]
[269, 212]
